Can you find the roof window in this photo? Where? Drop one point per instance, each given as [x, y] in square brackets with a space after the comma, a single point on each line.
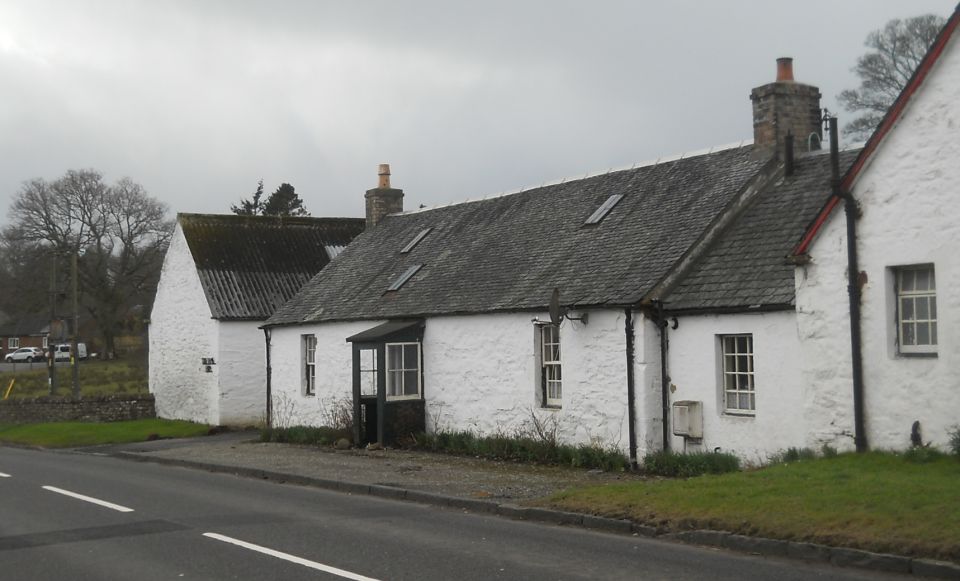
[403, 278]
[603, 210]
[416, 240]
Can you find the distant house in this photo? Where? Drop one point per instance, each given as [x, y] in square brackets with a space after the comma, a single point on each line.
[223, 275]
[23, 331]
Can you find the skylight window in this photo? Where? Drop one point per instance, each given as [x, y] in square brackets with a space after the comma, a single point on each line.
[603, 210]
[416, 240]
[403, 278]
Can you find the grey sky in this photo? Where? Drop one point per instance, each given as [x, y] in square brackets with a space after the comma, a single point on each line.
[197, 100]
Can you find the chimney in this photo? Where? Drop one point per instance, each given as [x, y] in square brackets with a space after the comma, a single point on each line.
[383, 199]
[786, 107]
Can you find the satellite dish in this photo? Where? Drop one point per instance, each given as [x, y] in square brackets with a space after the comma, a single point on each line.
[556, 314]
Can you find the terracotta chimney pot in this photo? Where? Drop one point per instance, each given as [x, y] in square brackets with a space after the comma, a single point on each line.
[784, 69]
[384, 173]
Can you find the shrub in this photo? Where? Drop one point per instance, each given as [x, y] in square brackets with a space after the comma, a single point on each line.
[303, 435]
[665, 463]
[922, 455]
[954, 441]
[828, 451]
[522, 448]
[797, 454]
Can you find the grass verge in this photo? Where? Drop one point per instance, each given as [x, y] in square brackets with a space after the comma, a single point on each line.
[71, 434]
[877, 501]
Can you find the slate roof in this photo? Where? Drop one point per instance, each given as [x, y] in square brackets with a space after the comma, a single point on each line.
[25, 326]
[747, 267]
[250, 265]
[508, 253]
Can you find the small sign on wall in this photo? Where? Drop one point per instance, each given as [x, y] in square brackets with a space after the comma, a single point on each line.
[207, 363]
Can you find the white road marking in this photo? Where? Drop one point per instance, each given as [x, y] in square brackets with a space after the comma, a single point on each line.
[2, 475]
[103, 503]
[291, 558]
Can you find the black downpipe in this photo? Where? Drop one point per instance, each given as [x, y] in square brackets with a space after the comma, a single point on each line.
[631, 405]
[853, 290]
[664, 377]
[266, 336]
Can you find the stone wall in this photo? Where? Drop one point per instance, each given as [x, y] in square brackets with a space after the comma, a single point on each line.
[84, 409]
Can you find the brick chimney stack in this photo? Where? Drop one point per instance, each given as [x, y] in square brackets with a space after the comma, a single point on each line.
[383, 199]
[786, 107]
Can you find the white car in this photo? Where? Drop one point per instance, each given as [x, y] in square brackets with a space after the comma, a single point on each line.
[28, 354]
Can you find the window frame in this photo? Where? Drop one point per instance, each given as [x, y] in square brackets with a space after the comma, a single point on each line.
[735, 388]
[389, 371]
[309, 342]
[13, 343]
[551, 368]
[929, 349]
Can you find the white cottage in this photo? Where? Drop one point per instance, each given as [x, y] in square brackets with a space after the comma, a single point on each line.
[762, 354]
[439, 318]
[698, 308]
[222, 276]
[903, 189]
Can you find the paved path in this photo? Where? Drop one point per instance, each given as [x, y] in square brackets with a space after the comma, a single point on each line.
[440, 474]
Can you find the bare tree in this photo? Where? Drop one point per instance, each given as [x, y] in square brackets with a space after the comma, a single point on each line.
[884, 71]
[119, 232]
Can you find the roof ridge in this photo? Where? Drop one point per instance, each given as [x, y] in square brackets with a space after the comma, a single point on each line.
[646, 163]
[238, 217]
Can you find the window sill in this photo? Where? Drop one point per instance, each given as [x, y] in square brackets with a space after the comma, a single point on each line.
[309, 395]
[551, 408]
[403, 397]
[918, 355]
[740, 414]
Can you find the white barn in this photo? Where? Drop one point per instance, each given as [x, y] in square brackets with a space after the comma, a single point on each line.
[222, 276]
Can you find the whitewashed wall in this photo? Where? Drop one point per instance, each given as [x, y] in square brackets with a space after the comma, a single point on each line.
[694, 369]
[181, 332]
[908, 194]
[334, 371]
[242, 373]
[480, 374]
[823, 326]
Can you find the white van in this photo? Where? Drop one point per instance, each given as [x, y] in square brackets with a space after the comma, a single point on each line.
[62, 352]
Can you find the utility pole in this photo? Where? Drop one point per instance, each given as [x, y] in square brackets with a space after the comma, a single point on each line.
[74, 352]
[51, 345]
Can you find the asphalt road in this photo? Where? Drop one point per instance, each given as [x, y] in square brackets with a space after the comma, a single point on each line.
[81, 516]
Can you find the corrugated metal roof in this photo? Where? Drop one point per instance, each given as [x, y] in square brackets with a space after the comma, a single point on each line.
[250, 265]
